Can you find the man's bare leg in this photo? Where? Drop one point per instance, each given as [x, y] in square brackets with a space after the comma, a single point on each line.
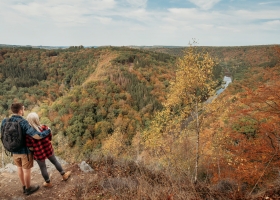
[21, 176]
[27, 177]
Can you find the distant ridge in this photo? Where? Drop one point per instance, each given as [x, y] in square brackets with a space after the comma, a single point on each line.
[129, 46]
[35, 47]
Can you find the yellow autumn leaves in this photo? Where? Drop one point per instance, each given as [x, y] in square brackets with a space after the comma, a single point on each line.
[194, 79]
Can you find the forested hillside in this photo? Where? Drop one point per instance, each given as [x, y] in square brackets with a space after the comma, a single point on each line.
[149, 107]
[86, 94]
[236, 59]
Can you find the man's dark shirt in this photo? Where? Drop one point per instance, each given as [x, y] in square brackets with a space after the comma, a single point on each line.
[26, 129]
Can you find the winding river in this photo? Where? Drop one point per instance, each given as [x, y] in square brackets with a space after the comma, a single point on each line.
[227, 80]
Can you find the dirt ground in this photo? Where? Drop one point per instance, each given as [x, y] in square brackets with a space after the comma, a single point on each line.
[11, 189]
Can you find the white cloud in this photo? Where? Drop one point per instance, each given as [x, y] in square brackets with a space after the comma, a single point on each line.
[271, 25]
[51, 6]
[137, 28]
[257, 14]
[137, 14]
[232, 18]
[228, 28]
[99, 4]
[270, 2]
[32, 9]
[205, 4]
[137, 3]
[206, 26]
[69, 12]
[191, 14]
[104, 20]
[169, 28]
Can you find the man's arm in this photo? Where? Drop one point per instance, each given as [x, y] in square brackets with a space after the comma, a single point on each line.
[45, 127]
[29, 130]
[37, 135]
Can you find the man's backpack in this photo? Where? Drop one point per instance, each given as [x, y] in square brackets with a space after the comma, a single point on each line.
[11, 136]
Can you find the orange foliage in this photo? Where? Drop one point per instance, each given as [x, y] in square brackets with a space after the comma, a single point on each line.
[52, 115]
[248, 143]
[65, 119]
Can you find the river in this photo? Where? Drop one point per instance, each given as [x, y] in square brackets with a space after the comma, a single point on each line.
[227, 80]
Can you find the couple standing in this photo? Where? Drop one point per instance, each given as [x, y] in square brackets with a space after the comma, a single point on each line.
[38, 147]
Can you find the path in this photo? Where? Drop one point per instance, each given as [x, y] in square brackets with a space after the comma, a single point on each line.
[11, 189]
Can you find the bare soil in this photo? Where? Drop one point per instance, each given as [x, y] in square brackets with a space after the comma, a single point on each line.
[10, 186]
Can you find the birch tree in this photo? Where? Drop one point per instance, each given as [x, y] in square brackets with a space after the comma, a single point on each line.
[192, 86]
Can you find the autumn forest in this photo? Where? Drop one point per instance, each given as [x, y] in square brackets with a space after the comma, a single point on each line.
[156, 109]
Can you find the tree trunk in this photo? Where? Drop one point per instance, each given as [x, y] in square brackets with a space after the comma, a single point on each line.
[197, 143]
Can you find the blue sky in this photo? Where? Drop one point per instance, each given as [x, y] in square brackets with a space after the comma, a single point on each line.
[139, 22]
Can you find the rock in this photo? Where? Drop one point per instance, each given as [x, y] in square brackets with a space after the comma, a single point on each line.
[13, 168]
[17, 198]
[9, 168]
[85, 167]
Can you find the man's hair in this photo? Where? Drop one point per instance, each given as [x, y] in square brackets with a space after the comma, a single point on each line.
[16, 107]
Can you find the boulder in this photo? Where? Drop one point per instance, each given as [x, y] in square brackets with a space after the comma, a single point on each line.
[85, 167]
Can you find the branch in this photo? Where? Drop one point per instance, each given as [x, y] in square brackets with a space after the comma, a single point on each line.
[272, 105]
[271, 141]
[263, 172]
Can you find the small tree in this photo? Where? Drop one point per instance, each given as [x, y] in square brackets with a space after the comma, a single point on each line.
[114, 144]
[193, 85]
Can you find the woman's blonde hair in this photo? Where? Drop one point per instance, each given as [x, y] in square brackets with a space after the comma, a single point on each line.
[33, 120]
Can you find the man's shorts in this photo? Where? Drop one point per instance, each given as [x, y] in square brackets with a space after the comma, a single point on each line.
[21, 160]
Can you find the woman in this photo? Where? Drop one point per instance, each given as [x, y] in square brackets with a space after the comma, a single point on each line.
[42, 150]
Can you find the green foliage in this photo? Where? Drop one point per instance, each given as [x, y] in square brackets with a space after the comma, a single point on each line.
[247, 126]
[22, 74]
[140, 93]
[142, 58]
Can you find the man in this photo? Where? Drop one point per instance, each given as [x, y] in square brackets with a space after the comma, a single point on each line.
[23, 157]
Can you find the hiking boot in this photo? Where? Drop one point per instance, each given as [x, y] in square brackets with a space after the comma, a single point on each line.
[31, 189]
[24, 190]
[66, 176]
[48, 185]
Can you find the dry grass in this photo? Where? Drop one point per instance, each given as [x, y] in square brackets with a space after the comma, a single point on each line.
[101, 69]
[115, 179]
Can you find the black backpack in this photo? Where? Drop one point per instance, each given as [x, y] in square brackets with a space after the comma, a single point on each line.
[11, 136]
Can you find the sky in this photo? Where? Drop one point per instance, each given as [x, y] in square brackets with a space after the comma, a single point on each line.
[139, 22]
